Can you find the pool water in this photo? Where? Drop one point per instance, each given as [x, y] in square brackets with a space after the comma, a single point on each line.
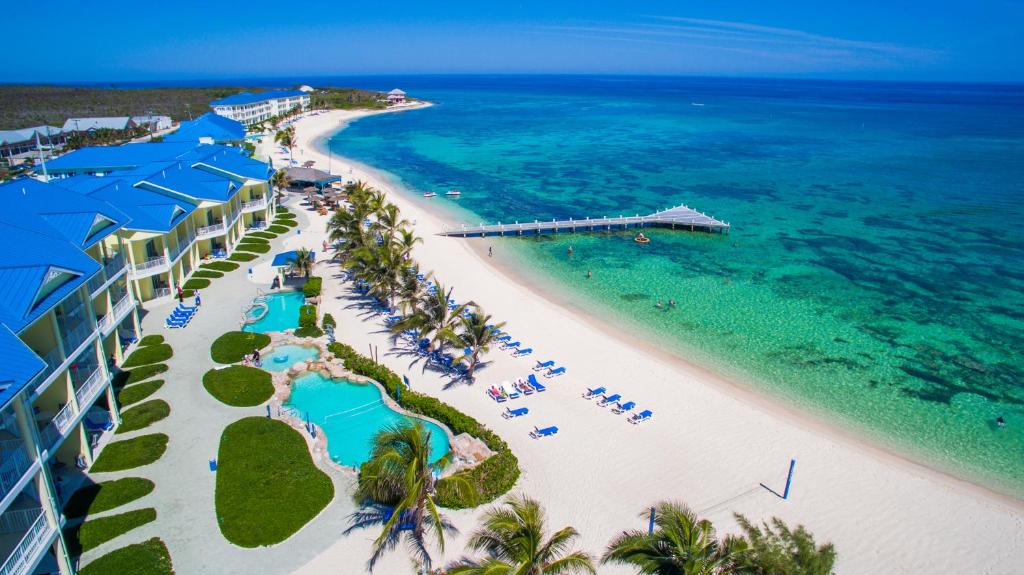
[285, 356]
[283, 312]
[350, 414]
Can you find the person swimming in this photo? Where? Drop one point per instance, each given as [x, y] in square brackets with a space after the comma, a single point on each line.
[569, 251]
[588, 274]
[1001, 421]
[658, 305]
[671, 303]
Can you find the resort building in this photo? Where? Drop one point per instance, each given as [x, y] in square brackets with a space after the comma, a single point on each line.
[67, 312]
[249, 108]
[396, 96]
[209, 129]
[16, 142]
[153, 123]
[93, 124]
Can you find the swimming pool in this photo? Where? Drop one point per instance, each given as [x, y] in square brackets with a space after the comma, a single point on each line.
[282, 314]
[285, 356]
[350, 414]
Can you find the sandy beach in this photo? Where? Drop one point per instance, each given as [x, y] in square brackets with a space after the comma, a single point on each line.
[711, 444]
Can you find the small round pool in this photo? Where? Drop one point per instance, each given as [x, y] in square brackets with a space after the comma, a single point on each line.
[285, 356]
[282, 312]
[350, 415]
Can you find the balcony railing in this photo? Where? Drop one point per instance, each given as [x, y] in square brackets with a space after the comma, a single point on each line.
[76, 336]
[161, 292]
[114, 265]
[59, 426]
[53, 360]
[153, 265]
[15, 462]
[254, 205]
[89, 389]
[209, 231]
[96, 282]
[34, 543]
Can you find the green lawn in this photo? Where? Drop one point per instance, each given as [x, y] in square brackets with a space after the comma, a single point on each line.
[151, 340]
[263, 235]
[138, 374]
[220, 266]
[143, 415]
[194, 284]
[283, 222]
[234, 345]
[96, 532]
[148, 355]
[277, 229]
[147, 558]
[136, 393]
[207, 274]
[254, 248]
[267, 484]
[242, 257]
[239, 385]
[100, 497]
[130, 453]
[254, 240]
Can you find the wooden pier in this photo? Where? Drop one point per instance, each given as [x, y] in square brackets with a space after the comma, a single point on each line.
[678, 218]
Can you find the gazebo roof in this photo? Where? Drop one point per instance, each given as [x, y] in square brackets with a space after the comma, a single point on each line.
[284, 259]
[396, 92]
[310, 175]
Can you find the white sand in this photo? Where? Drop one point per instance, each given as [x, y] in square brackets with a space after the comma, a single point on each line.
[709, 445]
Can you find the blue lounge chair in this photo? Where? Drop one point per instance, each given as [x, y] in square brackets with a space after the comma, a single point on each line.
[624, 407]
[592, 393]
[510, 413]
[522, 386]
[641, 417]
[555, 372]
[512, 345]
[522, 352]
[542, 365]
[512, 393]
[546, 432]
[532, 380]
[609, 399]
[504, 338]
[495, 394]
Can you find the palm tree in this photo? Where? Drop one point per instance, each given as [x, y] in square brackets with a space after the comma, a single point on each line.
[776, 549]
[396, 490]
[404, 242]
[476, 334]
[681, 544]
[302, 262]
[411, 290]
[280, 179]
[380, 267]
[435, 319]
[515, 541]
[389, 221]
[286, 138]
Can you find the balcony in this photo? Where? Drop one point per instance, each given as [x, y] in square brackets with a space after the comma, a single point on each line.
[15, 463]
[254, 205]
[151, 266]
[38, 533]
[210, 231]
[87, 393]
[76, 336]
[161, 292]
[182, 246]
[53, 361]
[114, 266]
[96, 282]
[58, 427]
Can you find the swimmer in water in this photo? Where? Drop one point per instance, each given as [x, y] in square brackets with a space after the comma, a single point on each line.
[1001, 421]
[658, 305]
[588, 274]
[570, 250]
[672, 303]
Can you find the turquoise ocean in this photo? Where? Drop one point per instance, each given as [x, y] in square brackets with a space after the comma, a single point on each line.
[874, 272]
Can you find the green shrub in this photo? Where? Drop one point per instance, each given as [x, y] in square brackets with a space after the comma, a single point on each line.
[492, 478]
[143, 415]
[194, 284]
[242, 257]
[147, 558]
[207, 274]
[277, 229]
[262, 234]
[239, 385]
[100, 497]
[93, 533]
[130, 376]
[136, 393]
[308, 331]
[312, 286]
[233, 346]
[151, 340]
[328, 321]
[307, 322]
[148, 355]
[220, 266]
[130, 453]
[267, 484]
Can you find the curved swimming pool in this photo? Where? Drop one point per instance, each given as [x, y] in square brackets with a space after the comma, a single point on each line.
[350, 414]
[282, 312]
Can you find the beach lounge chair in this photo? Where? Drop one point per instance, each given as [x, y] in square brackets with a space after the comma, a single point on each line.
[513, 394]
[546, 432]
[624, 407]
[641, 417]
[512, 345]
[504, 338]
[510, 413]
[609, 399]
[496, 394]
[592, 393]
[555, 372]
[523, 387]
[542, 365]
[522, 352]
[532, 380]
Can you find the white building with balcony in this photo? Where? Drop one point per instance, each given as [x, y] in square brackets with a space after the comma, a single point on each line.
[250, 108]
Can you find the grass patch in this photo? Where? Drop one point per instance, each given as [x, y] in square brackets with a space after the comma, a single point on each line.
[136, 393]
[130, 376]
[255, 248]
[100, 497]
[96, 532]
[149, 355]
[143, 415]
[234, 345]
[283, 210]
[277, 229]
[267, 484]
[151, 340]
[251, 240]
[194, 284]
[130, 453]
[220, 266]
[242, 257]
[284, 222]
[147, 558]
[207, 274]
[263, 235]
[239, 385]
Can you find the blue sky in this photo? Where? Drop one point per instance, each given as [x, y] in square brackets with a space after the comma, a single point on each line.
[870, 39]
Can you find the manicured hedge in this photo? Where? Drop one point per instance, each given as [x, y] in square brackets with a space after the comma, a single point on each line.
[207, 274]
[307, 322]
[96, 532]
[267, 484]
[277, 229]
[492, 478]
[130, 376]
[148, 355]
[100, 497]
[328, 321]
[147, 558]
[239, 385]
[194, 284]
[130, 453]
[253, 248]
[143, 415]
[136, 393]
[312, 286]
[242, 257]
[220, 266]
[151, 340]
[264, 235]
[233, 346]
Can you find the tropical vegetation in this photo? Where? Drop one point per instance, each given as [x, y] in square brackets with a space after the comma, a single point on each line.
[147, 558]
[776, 549]
[302, 262]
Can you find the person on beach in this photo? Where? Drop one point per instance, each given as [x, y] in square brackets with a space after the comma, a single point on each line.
[325, 245]
[181, 296]
[490, 251]
[199, 301]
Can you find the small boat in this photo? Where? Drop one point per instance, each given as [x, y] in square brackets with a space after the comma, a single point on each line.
[429, 194]
[453, 193]
[642, 239]
[698, 104]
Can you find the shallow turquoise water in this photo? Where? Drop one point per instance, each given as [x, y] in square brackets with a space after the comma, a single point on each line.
[350, 415]
[283, 357]
[874, 268]
[283, 312]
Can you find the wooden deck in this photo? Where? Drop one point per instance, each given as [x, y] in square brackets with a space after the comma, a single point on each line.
[677, 218]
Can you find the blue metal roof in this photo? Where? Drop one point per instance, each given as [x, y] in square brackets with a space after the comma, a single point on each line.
[231, 162]
[149, 211]
[209, 125]
[126, 157]
[81, 220]
[284, 259]
[20, 363]
[243, 98]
